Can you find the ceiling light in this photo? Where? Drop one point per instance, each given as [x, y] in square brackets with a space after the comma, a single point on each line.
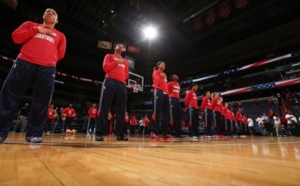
[150, 32]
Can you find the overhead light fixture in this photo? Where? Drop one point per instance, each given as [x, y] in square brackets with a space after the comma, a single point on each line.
[112, 11]
[150, 32]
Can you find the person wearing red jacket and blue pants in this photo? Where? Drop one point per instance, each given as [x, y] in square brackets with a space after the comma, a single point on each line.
[43, 46]
[191, 104]
[239, 121]
[207, 114]
[175, 110]
[114, 86]
[161, 104]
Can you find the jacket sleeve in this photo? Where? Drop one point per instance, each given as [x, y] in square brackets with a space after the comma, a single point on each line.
[155, 77]
[127, 70]
[109, 63]
[170, 87]
[204, 102]
[61, 50]
[187, 98]
[24, 32]
[213, 103]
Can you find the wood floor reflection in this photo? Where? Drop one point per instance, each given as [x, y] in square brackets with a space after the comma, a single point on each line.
[82, 161]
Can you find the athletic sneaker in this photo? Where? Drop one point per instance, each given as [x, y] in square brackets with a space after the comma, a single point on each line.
[34, 139]
[122, 138]
[99, 138]
[194, 137]
[153, 137]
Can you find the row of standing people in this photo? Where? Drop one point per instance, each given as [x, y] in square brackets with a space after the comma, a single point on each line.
[38, 68]
[167, 110]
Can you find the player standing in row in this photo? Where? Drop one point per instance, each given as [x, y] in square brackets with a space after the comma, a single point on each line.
[92, 112]
[175, 111]
[114, 86]
[239, 122]
[161, 110]
[191, 104]
[43, 46]
[215, 106]
[207, 114]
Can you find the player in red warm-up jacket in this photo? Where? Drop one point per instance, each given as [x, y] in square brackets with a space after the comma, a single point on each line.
[114, 86]
[175, 110]
[161, 104]
[239, 122]
[207, 114]
[191, 104]
[42, 47]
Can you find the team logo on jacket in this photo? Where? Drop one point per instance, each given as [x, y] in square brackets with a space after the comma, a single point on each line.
[45, 37]
[53, 34]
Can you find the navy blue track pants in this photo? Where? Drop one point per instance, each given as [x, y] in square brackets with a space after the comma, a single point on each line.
[175, 115]
[161, 112]
[112, 89]
[21, 76]
[193, 121]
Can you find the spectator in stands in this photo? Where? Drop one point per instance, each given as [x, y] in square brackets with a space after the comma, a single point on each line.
[62, 119]
[126, 121]
[51, 114]
[141, 125]
[283, 121]
[250, 125]
[22, 116]
[291, 119]
[259, 121]
[293, 124]
[70, 115]
[275, 100]
[264, 118]
[147, 124]
[277, 124]
[133, 124]
[271, 114]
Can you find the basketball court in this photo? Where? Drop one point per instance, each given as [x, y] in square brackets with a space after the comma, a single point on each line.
[80, 160]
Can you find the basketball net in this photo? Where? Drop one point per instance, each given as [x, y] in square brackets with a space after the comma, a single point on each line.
[134, 88]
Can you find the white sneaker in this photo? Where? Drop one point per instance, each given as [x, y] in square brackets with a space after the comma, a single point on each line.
[194, 137]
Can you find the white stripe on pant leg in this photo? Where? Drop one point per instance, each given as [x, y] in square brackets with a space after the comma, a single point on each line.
[154, 103]
[101, 95]
[88, 126]
[190, 116]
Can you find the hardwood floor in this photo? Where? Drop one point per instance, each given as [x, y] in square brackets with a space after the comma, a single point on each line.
[82, 161]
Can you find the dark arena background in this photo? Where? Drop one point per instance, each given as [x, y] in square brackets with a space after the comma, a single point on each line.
[246, 50]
